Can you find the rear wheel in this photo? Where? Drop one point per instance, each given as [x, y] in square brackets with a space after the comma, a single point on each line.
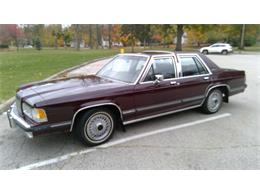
[213, 102]
[224, 52]
[205, 52]
[95, 127]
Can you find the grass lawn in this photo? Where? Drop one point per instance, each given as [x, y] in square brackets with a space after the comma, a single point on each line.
[28, 65]
[17, 68]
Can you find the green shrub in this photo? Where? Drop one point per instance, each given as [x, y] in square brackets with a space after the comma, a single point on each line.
[38, 44]
[4, 46]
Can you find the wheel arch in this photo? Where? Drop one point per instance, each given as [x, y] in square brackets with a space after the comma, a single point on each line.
[224, 88]
[111, 106]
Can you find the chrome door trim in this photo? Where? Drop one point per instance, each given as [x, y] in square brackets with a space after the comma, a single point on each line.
[60, 124]
[171, 103]
[158, 115]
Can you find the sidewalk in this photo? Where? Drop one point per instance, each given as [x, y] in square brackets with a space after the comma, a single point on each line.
[88, 69]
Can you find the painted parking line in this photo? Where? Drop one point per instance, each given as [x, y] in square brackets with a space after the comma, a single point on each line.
[120, 141]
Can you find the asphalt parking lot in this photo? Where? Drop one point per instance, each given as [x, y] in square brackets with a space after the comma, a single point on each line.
[229, 139]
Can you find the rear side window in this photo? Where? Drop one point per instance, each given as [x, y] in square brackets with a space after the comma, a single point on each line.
[192, 66]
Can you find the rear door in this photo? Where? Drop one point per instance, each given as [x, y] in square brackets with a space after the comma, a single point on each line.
[195, 77]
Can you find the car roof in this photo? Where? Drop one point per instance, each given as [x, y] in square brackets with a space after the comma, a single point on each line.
[221, 44]
[156, 52]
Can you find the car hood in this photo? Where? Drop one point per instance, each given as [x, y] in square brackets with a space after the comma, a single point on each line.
[66, 90]
[204, 48]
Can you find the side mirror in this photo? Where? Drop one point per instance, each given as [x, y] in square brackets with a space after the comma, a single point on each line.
[158, 78]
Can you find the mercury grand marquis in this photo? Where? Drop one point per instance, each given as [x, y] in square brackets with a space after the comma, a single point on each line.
[128, 89]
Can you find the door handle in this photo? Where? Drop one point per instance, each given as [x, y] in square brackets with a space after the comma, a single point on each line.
[206, 78]
[174, 83]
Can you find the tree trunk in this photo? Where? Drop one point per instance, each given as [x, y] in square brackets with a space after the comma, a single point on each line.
[109, 36]
[242, 38]
[55, 41]
[17, 45]
[77, 37]
[179, 37]
[132, 44]
[90, 37]
[97, 35]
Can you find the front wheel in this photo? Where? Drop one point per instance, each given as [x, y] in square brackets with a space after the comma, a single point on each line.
[95, 127]
[213, 102]
[224, 52]
[205, 52]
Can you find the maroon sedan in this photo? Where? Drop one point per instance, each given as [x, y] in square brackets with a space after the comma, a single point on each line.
[130, 88]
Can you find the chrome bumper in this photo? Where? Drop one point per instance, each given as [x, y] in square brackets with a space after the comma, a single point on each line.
[16, 121]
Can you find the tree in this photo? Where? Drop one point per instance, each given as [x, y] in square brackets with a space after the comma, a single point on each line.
[179, 37]
[165, 33]
[98, 36]
[67, 36]
[132, 32]
[129, 31]
[109, 36]
[9, 33]
[90, 36]
[143, 33]
[38, 44]
[242, 38]
[116, 33]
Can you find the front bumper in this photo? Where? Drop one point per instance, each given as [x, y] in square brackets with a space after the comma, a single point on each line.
[16, 121]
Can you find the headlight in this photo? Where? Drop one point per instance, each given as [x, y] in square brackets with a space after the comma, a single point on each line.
[37, 114]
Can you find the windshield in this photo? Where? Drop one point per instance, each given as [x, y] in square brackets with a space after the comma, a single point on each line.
[123, 68]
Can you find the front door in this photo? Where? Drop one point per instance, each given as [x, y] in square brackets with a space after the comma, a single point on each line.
[152, 96]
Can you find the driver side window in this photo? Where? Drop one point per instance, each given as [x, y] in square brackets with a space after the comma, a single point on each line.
[161, 66]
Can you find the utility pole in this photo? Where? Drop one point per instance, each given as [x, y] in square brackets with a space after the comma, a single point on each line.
[242, 40]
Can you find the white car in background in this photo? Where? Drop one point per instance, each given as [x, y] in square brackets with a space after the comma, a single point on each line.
[223, 48]
[28, 46]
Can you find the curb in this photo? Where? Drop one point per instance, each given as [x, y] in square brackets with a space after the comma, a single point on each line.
[4, 106]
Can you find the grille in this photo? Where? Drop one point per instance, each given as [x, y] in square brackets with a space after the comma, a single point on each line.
[18, 105]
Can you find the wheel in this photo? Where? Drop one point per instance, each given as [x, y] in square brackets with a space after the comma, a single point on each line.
[205, 52]
[213, 102]
[95, 127]
[224, 52]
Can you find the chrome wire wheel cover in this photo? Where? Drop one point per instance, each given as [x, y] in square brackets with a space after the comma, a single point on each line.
[214, 101]
[98, 127]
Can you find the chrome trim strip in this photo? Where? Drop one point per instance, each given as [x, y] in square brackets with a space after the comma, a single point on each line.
[20, 120]
[159, 105]
[193, 98]
[214, 86]
[60, 124]
[158, 115]
[129, 111]
[92, 106]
